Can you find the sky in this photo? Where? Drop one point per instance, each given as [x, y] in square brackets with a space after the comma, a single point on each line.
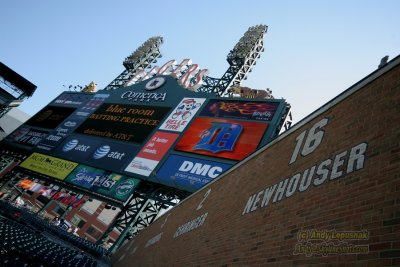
[314, 49]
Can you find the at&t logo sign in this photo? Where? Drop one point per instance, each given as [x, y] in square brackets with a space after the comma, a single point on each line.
[74, 145]
[105, 151]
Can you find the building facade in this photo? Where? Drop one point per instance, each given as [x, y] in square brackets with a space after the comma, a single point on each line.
[325, 192]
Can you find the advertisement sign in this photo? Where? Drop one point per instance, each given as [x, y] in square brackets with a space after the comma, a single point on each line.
[182, 114]
[108, 155]
[76, 148]
[50, 117]
[151, 153]
[189, 173]
[50, 166]
[103, 182]
[111, 156]
[27, 136]
[240, 109]
[230, 139]
[129, 123]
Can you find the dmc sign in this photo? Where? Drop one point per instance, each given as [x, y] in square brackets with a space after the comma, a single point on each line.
[206, 170]
[189, 173]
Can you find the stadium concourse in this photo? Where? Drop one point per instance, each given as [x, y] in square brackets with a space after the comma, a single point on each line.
[30, 241]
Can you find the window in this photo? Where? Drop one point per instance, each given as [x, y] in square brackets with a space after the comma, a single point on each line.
[94, 232]
[58, 210]
[43, 199]
[91, 206]
[78, 221]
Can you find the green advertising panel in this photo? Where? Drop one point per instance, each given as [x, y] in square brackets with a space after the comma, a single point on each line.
[108, 184]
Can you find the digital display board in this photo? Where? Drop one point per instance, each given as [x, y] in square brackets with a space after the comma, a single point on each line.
[189, 173]
[240, 109]
[50, 117]
[115, 186]
[230, 139]
[146, 132]
[129, 123]
[86, 105]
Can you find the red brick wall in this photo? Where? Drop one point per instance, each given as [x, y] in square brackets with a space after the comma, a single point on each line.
[357, 145]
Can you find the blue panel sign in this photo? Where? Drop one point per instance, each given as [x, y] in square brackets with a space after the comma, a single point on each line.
[189, 173]
[112, 156]
[95, 152]
[77, 148]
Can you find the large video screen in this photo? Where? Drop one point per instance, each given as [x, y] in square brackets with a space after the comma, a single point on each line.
[240, 109]
[50, 117]
[129, 123]
[230, 139]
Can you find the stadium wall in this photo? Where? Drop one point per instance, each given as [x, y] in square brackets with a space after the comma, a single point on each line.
[326, 192]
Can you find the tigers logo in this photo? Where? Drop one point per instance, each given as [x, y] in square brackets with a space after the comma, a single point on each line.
[220, 137]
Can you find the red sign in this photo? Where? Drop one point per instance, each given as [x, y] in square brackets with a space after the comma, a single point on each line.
[231, 139]
[151, 154]
[157, 146]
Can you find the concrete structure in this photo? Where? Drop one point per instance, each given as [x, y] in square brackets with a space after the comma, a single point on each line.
[11, 121]
[326, 192]
[14, 89]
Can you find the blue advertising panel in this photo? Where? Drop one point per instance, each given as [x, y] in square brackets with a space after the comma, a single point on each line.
[112, 185]
[189, 173]
[112, 156]
[76, 148]
[96, 152]
[241, 109]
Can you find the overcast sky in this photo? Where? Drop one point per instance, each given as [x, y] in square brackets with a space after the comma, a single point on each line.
[313, 49]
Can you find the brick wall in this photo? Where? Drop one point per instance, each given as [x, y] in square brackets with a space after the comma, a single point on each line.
[337, 203]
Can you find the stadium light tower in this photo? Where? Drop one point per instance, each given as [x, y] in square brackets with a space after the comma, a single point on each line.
[139, 60]
[241, 59]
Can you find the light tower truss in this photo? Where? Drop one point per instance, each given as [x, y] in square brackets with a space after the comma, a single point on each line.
[139, 60]
[142, 209]
[241, 59]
